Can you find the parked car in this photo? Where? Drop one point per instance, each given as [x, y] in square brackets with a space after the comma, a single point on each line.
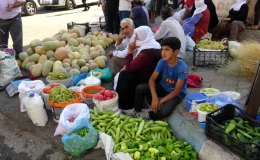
[68, 4]
[30, 7]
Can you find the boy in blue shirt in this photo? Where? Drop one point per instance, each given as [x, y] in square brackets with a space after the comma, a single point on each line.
[173, 75]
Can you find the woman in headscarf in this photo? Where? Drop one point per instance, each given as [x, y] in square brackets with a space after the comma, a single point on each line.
[138, 68]
[197, 25]
[235, 22]
[213, 22]
[257, 15]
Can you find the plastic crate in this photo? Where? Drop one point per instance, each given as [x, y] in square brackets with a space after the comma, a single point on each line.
[218, 135]
[211, 58]
[72, 24]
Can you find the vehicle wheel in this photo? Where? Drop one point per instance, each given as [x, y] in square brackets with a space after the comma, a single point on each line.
[47, 8]
[30, 8]
[69, 5]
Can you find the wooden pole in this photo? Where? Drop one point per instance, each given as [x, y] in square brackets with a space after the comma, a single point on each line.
[253, 102]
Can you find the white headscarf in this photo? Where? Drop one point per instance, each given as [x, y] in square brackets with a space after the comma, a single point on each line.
[146, 39]
[200, 7]
[237, 5]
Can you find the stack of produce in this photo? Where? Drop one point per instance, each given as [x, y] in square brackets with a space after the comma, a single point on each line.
[142, 139]
[66, 52]
[211, 45]
[241, 130]
[207, 107]
[81, 132]
[57, 76]
[61, 95]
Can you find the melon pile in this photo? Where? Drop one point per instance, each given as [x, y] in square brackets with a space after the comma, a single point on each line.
[66, 52]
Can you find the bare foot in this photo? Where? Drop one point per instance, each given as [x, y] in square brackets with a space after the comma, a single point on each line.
[255, 27]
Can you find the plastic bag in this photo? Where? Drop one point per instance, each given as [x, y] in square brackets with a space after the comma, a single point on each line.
[106, 74]
[116, 80]
[78, 78]
[193, 109]
[221, 100]
[75, 111]
[190, 44]
[76, 145]
[9, 70]
[25, 86]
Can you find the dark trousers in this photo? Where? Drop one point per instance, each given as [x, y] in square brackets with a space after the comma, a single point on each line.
[14, 27]
[85, 4]
[113, 23]
[257, 13]
[126, 85]
[124, 14]
[175, 4]
[165, 110]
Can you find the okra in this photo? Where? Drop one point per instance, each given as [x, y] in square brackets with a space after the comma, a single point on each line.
[161, 123]
[117, 114]
[118, 120]
[100, 117]
[102, 124]
[244, 133]
[94, 123]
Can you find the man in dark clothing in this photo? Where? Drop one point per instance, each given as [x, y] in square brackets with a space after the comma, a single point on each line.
[85, 5]
[213, 14]
[138, 15]
[113, 21]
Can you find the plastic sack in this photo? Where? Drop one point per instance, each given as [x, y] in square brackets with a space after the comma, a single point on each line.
[193, 109]
[221, 100]
[76, 145]
[74, 112]
[90, 81]
[106, 74]
[9, 70]
[25, 86]
[179, 15]
[116, 80]
[78, 78]
[190, 44]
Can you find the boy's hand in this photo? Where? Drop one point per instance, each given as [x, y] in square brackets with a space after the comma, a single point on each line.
[110, 54]
[155, 104]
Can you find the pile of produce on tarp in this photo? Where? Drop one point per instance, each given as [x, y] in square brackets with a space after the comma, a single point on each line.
[66, 52]
[142, 139]
[246, 60]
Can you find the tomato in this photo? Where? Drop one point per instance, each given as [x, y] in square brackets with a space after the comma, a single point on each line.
[107, 98]
[53, 85]
[108, 94]
[99, 97]
[102, 92]
[46, 90]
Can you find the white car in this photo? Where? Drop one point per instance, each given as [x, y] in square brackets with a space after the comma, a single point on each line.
[30, 7]
[68, 4]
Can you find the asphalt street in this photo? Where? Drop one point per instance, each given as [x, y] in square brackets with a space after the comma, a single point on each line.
[20, 139]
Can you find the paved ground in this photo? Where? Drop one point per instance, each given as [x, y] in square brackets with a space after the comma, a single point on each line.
[21, 140]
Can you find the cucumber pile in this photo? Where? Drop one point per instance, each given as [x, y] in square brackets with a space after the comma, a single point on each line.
[142, 139]
[242, 130]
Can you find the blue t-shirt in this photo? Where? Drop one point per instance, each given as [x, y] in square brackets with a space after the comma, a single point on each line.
[140, 16]
[170, 75]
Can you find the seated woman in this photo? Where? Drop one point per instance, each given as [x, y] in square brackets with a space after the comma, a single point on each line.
[213, 22]
[257, 15]
[235, 22]
[197, 25]
[138, 68]
[166, 95]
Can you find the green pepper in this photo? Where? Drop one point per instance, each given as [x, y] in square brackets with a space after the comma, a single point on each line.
[231, 126]
[161, 123]
[248, 126]
[233, 133]
[242, 138]
[256, 141]
[221, 126]
[157, 129]
[238, 119]
[244, 133]
[141, 126]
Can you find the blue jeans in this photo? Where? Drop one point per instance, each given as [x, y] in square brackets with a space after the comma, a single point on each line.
[124, 14]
